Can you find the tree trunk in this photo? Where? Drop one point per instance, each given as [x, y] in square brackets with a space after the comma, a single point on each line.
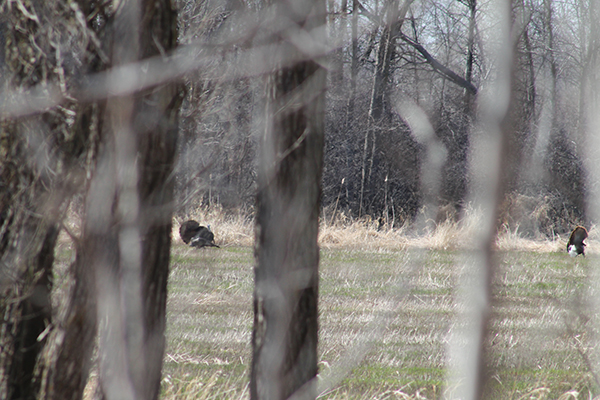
[133, 191]
[336, 34]
[394, 18]
[66, 360]
[472, 4]
[565, 165]
[353, 62]
[45, 160]
[284, 336]
[455, 170]
[42, 164]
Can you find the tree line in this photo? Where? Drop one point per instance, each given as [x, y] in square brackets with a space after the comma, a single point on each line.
[440, 56]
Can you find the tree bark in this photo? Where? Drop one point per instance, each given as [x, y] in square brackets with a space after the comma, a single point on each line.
[134, 179]
[472, 4]
[65, 362]
[46, 159]
[42, 164]
[354, 61]
[284, 336]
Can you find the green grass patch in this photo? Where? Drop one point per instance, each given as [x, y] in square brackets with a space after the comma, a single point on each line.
[396, 307]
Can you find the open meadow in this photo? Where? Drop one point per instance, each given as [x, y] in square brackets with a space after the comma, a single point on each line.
[388, 308]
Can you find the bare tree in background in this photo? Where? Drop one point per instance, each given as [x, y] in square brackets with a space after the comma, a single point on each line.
[379, 108]
[120, 151]
[284, 336]
[440, 63]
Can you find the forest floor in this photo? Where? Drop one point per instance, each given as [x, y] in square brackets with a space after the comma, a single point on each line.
[388, 316]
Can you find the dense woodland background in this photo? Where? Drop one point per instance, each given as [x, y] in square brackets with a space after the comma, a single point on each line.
[438, 56]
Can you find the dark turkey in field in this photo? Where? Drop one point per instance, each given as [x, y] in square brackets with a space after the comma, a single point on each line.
[195, 235]
[576, 246]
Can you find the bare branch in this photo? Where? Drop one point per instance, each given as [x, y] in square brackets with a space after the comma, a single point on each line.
[438, 67]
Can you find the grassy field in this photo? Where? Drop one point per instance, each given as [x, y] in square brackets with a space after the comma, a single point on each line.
[386, 317]
[389, 307]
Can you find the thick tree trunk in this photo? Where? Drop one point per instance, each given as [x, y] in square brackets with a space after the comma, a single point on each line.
[67, 359]
[42, 164]
[394, 19]
[284, 336]
[24, 322]
[136, 168]
[44, 160]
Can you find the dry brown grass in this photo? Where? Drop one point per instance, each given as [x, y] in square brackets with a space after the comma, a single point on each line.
[237, 229]
[230, 228]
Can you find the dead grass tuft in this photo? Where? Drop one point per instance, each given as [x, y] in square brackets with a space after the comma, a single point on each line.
[360, 234]
[217, 385]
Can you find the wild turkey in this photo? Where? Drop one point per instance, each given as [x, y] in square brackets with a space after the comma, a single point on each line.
[195, 235]
[576, 246]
